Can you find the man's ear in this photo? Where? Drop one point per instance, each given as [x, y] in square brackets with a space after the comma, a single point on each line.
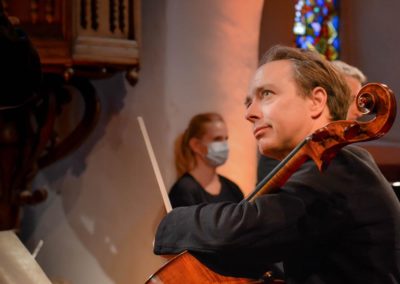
[319, 99]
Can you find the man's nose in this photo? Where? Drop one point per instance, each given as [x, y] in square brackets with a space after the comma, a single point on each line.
[252, 112]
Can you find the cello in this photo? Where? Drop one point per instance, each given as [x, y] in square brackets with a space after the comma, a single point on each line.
[374, 99]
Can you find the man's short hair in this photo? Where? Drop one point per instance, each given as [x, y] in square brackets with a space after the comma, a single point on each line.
[311, 70]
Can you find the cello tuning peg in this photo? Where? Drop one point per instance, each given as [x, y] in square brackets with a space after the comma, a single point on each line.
[320, 135]
[351, 131]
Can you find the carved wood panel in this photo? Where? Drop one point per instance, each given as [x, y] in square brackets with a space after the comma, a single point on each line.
[90, 38]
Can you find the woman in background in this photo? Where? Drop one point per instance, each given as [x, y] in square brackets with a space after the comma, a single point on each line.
[199, 151]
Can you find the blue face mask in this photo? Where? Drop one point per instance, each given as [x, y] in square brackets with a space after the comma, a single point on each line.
[217, 153]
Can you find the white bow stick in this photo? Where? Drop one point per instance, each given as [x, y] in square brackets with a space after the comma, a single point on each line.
[156, 169]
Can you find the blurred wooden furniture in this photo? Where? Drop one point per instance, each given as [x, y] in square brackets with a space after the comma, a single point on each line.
[77, 40]
[86, 38]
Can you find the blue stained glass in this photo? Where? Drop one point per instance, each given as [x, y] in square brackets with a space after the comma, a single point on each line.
[335, 22]
[310, 39]
[310, 16]
[317, 28]
[336, 43]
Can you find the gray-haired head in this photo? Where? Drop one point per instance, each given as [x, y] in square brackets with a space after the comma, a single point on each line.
[349, 70]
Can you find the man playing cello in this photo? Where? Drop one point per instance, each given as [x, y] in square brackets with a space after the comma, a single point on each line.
[341, 225]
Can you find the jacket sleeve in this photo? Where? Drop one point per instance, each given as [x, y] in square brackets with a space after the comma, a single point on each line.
[224, 226]
[300, 212]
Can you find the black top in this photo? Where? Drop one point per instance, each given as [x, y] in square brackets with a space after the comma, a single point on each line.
[338, 226]
[187, 191]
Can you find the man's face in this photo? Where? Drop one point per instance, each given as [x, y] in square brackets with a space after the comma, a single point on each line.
[355, 86]
[280, 115]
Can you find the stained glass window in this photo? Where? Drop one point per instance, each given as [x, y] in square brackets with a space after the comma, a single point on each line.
[316, 26]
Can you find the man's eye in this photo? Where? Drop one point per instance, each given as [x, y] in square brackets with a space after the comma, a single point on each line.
[265, 93]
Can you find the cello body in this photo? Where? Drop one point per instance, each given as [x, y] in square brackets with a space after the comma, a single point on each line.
[185, 268]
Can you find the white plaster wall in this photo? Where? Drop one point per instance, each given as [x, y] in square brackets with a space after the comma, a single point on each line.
[211, 52]
[104, 205]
